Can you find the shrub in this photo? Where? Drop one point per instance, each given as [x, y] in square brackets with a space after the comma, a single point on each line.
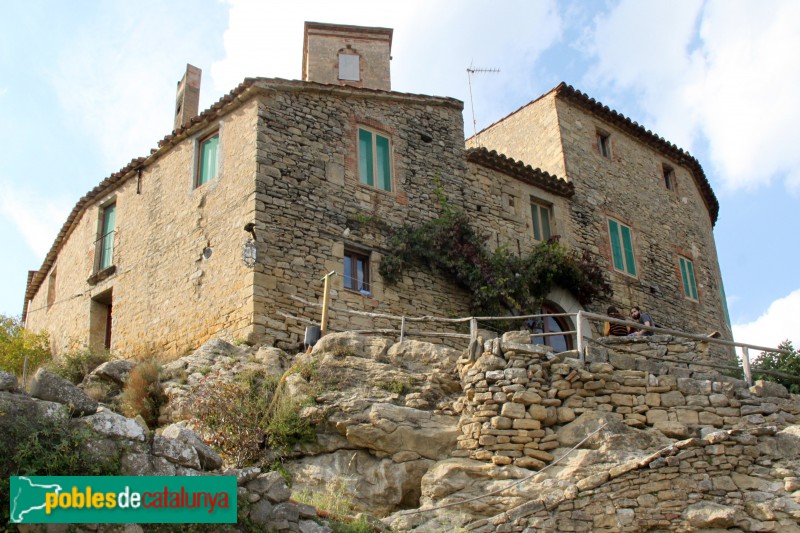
[74, 366]
[335, 499]
[788, 363]
[242, 417]
[47, 447]
[17, 343]
[143, 394]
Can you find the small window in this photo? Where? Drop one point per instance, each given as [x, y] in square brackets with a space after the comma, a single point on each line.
[687, 275]
[604, 144]
[540, 215]
[349, 67]
[356, 271]
[51, 289]
[208, 159]
[105, 243]
[669, 177]
[374, 160]
[622, 247]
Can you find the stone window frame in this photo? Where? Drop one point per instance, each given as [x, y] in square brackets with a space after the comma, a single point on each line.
[375, 130]
[540, 205]
[688, 279]
[355, 254]
[629, 268]
[199, 140]
[603, 143]
[668, 174]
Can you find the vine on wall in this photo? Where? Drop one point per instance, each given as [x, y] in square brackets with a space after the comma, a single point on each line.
[499, 282]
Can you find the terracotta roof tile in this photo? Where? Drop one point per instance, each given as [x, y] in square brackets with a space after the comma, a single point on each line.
[521, 171]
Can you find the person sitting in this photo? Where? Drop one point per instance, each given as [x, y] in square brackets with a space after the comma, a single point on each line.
[613, 329]
[642, 318]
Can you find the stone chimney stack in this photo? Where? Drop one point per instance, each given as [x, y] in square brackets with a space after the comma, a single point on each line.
[187, 99]
[347, 55]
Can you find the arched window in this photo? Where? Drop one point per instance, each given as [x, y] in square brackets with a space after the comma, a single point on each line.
[552, 324]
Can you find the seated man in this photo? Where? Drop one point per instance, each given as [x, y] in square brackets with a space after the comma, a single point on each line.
[641, 318]
[612, 329]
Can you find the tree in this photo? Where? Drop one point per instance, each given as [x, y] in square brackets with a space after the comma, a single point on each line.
[16, 343]
[788, 363]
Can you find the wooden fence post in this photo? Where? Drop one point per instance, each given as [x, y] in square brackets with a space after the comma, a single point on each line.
[748, 376]
[579, 334]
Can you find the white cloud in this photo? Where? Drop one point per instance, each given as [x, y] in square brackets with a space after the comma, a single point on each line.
[776, 325]
[36, 217]
[723, 71]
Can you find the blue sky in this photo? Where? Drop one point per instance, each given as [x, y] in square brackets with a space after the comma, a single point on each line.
[86, 86]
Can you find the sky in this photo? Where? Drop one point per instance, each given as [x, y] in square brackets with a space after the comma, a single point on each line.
[88, 85]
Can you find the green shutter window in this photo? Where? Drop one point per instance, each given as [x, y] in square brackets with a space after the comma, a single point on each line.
[374, 160]
[209, 150]
[365, 160]
[383, 162]
[107, 238]
[627, 245]
[616, 248]
[687, 274]
[537, 231]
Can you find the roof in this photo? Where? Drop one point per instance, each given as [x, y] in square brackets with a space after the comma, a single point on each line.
[517, 169]
[235, 98]
[569, 93]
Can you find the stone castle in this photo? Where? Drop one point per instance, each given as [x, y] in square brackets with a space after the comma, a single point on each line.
[228, 225]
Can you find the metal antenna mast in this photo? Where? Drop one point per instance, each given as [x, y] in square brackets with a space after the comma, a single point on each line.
[470, 71]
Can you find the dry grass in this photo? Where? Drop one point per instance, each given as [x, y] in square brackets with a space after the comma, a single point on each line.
[142, 394]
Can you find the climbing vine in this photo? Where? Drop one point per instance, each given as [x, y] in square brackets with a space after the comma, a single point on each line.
[499, 282]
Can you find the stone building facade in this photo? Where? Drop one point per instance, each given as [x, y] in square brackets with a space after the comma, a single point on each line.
[227, 227]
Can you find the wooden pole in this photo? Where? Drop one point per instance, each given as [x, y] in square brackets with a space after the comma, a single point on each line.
[326, 301]
[402, 329]
[579, 337]
[748, 376]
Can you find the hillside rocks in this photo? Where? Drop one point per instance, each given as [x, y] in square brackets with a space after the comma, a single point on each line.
[8, 382]
[49, 386]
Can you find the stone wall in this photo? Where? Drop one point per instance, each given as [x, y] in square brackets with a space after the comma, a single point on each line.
[628, 186]
[165, 293]
[517, 395]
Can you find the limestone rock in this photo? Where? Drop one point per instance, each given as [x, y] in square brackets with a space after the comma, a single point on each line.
[674, 430]
[422, 356]
[21, 412]
[49, 386]
[143, 464]
[209, 459]
[274, 360]
[114, 371]
[763, 388]
[710, 515]
[114, 426]
[392, 429]
[271, 486]
[8, 382]
[176, 451]
[353, 344]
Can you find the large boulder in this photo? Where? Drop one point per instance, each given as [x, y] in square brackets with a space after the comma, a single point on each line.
[710, 515]
[392, 429]
[8, 382]
[353, 344]
[209, 459]
[374, 485]
[421, 356]
[51, 387]
[20, 415]
[115, 426]
[114, 371]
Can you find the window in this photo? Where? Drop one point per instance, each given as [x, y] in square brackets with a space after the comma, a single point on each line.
[669, 177]
[374, 159]
[687, 275]
[604, 144]
[208, 159]
[349, 68]
[551, 324]
[105, 244]
[356, 271]
[51, 289]
[622, 247]
[540, 214]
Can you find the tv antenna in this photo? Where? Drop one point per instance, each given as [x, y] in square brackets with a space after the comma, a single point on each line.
[470, 71]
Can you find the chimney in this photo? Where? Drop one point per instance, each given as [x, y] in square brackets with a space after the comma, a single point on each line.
[347, 55]
[187, 99]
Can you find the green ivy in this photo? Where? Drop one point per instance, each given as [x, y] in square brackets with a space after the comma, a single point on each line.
[499, 282]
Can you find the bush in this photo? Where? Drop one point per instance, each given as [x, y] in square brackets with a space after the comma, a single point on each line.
[48, 447]
[244, 416]
[74, 366]
[788, 363]
[143, 394]
[17, 343]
